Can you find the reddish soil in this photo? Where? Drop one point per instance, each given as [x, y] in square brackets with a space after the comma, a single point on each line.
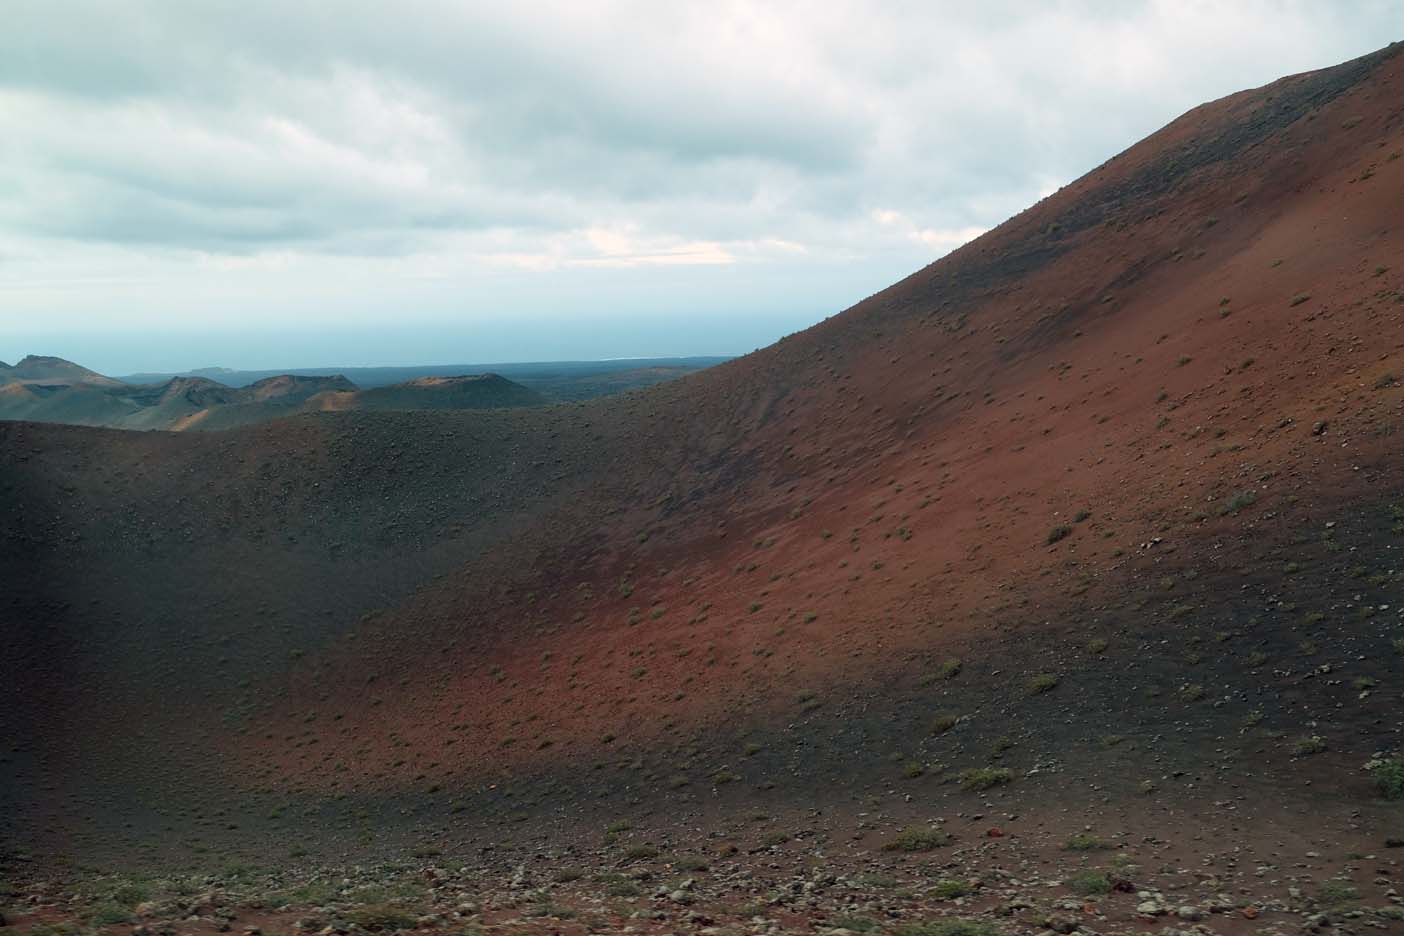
[898, 494]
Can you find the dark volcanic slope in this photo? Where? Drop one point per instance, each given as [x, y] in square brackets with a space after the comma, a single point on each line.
[1124, 467]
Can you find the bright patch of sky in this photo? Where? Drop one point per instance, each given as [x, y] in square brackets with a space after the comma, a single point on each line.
[275, 183]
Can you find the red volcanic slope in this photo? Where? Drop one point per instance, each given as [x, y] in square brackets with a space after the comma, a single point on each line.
[1107, 418]
[1215, 311]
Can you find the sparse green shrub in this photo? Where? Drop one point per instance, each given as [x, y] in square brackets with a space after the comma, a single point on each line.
[1389, 777]
[623, 889]
[55, 929]
[1088, 883]
[949, 889]
[1057, 533]
[382, 917]
[943, 723]
[1043, 682]
[1238, 501]
[872, 881]
[854, 924]
[110, 914]
[919, 839]
[548, 909]
[982, 778]
[641, 853]
[947, 928]
[131, 894]
[1311, 744]
[306, 895]
[1085, 841]
[1337, 892]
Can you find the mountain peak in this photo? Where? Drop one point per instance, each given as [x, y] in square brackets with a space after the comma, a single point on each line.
[41, 368]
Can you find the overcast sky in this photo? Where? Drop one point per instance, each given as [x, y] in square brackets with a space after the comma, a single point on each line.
[302, 182]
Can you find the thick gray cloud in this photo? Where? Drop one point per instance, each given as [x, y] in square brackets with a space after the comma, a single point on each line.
[220, 164]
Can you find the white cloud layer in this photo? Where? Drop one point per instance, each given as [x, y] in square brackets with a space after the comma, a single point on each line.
[218, 166]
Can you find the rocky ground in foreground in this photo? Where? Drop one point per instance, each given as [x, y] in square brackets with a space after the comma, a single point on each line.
[973, 875]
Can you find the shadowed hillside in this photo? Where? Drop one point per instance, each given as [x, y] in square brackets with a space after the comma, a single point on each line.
[1093, 523]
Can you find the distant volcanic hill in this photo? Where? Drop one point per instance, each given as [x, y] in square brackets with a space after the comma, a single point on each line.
[1096, 520]
[430, 393]
[55, 390]
[52, 370]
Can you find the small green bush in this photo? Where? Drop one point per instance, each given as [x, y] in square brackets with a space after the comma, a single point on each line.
[1389, 777]
[131, 894]
[1085, 841]
[919, 839]
[1337, 892]
[1043, 682]
[1238, 501]
[1312, 744]
[949, 889]
[110, 914]
[982, 778]
[873, 881]
[947, 928]
[1057, 533]
[1088, 883]
[382, 917]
